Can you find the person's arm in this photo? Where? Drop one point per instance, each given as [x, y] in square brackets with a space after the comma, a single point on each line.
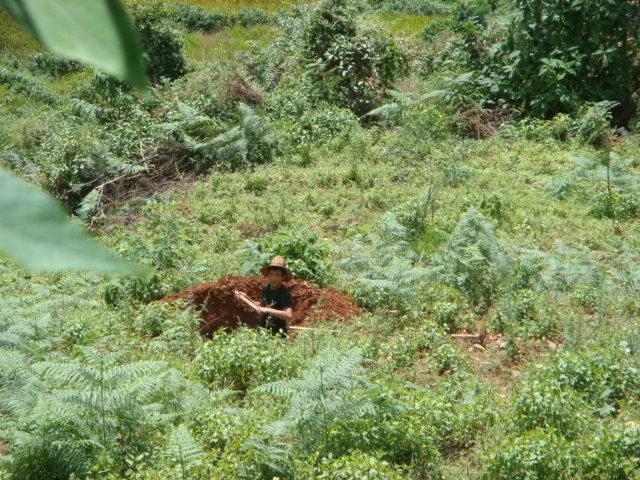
[245, 297]
[286, 314]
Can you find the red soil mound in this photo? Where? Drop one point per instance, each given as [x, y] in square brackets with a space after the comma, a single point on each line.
[220, 309]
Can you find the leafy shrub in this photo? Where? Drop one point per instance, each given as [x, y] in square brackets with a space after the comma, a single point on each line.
[413, 213]
[456, 412]
[49, 64]
[70, 156]
[248, 143]
[588, 181]
[244, 359]
[195, 18]
[423, 339]
[356, 465]
[307, 255]
[399, 433]
[353, 66]
[27, 85]
[602, 376]
[327, 403]
[547, 406]
[612, 453]
[421, 7]
[530, 72]
[320, 125]
[360, 68]
[561, 127]
[538, 454]
[524, 313]
[166, 328]
[63, 415]
[251, 16]
[165, 249]
[161, 44]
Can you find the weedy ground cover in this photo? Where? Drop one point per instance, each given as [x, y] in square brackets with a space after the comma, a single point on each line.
[260, 144]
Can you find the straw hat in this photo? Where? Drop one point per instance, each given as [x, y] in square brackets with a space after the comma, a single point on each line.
[277, 262]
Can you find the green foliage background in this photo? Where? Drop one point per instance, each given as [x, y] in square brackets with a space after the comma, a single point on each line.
[407, 152]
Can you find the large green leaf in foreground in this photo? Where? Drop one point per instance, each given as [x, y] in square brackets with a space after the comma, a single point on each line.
[96, 32]
[36, 232]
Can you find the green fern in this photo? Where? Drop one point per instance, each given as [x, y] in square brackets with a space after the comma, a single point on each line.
[247, 143]
[470, 259]
[380, 268]
[329, 391]
[183, 450]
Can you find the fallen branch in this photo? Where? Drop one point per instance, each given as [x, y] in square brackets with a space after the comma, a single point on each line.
[480, 337]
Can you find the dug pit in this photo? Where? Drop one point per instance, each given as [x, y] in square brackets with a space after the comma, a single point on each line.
[219, 308]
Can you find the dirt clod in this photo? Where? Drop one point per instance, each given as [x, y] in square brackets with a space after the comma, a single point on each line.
[219, 308]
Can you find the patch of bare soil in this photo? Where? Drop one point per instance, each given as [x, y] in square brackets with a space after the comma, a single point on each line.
[219, 308]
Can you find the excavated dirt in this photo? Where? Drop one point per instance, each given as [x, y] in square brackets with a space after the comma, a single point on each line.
[219, 308]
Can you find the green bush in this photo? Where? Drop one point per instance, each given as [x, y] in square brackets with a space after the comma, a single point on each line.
[536, 455]
[49, 64]
[27, 85]
[356, 465]
[607, 452]
[244, 359]
[354, 67]
[251, 16]
[547, 406]
[195, 18]
[379, 268]
[421, 7]
[529, 71]
[321, 125]
[526, 314]
[161, 43]
[588, 182]
[612, 453]
[306, 254]
[69, 156]
[601, 375]
[358, 70]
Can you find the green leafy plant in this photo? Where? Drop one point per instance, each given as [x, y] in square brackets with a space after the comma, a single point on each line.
[160, 42]
[96, 405]
[531, 72]
[49, 64]
[184, 451]
[195, 18]
[352, 65]
[244, 359]
[356, 465]
[110, 45]
[307, 255]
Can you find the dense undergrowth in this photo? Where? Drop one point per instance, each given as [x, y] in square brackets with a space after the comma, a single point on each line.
[413, 167]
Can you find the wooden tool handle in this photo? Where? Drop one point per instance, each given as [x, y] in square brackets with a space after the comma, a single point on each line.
[248, 302]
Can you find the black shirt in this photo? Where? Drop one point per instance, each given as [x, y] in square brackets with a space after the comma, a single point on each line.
[280, 299]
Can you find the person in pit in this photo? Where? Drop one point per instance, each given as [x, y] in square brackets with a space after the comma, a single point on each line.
[276, 305]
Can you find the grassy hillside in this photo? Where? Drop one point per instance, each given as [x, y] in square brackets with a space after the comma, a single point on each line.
[391, 175]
